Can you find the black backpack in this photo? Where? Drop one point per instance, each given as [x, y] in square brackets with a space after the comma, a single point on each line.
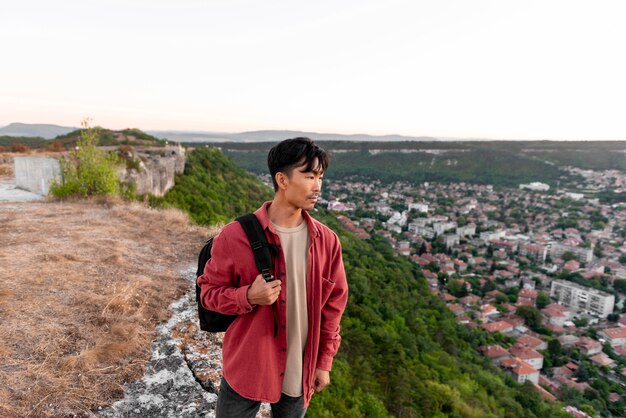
[212, 321]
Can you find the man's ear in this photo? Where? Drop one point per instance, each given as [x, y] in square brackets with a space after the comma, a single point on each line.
[281, 180]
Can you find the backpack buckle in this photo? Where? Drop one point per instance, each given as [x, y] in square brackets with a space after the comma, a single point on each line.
[257, 245]
[267, 276]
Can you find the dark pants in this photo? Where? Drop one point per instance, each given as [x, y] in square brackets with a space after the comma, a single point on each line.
[232, 405]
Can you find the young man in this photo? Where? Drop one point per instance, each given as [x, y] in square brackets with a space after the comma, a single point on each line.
[281, 346]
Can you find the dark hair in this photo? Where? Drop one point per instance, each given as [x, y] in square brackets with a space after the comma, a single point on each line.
[296, 152]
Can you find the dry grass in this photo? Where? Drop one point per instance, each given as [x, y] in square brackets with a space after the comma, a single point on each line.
[83, 285]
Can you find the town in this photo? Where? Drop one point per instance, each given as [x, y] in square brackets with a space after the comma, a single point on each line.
[543, 272]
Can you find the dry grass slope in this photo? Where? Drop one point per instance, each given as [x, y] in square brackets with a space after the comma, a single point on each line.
[82, 287]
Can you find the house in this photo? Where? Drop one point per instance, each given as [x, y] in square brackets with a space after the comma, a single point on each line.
[520, 370]
[571, 265]
[556, 314]
[602, 359]
[568, 340]
[494, 352]
[470, 300]
[589, 346]
[532, 342]
[456, 308]
[488, 310]
[615, 336]
[528, 293]
[500, 326]
[527, 354]
[447, 297]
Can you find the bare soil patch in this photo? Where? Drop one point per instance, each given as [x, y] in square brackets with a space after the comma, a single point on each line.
[82, 287]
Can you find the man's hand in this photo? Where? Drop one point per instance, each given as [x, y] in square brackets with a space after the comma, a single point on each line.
[262, 292]
[322, 379]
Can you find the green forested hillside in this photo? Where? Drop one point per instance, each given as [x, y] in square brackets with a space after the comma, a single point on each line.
[496, 163]
[213, 189]
[403, 353]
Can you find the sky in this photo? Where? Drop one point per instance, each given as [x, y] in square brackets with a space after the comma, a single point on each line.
[499, 69]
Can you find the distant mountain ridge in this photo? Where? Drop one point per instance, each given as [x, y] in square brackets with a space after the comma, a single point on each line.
[277, 135]
[46, 131]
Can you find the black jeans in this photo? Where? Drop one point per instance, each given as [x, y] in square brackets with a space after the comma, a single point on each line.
[230, 404]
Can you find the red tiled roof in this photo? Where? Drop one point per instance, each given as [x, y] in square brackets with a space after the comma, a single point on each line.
[493, 351]
[615, 333]
[530, 341]
[524, 352]
[518, 367]
[497, 326]
[554, 309]
[602, 359]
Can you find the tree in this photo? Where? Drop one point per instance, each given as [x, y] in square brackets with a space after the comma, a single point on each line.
[456, 288]
[554, 351]
[612, 317]
[582, 373]
[543, 300]
[597, 250]
[622, 259]
[531, 315]
[568, 255]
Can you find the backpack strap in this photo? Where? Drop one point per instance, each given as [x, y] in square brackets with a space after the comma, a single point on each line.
[262, 255]
[258, 242]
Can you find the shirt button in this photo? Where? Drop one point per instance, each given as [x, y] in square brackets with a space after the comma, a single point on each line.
[282, 302]
[284, 350]
[282, 374]
[282, 274]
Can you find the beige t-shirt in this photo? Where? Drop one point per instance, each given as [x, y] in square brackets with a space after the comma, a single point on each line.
[295, 244]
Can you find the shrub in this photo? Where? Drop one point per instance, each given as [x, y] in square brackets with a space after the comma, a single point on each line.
[17, 147]
[56, 146]
[88, 171]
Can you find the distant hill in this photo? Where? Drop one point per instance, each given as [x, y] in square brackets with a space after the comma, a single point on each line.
[67, 140]
[277, 135]
[33, 130]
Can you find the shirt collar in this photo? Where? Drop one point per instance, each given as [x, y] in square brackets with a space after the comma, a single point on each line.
[264, 219]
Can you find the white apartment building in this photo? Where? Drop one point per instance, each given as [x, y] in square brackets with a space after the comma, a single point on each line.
[581, 298]
[441, 227]
[534, 251]
[467, 230]
[491, 235]
[420, 207]
[424, 231]
[583, 254]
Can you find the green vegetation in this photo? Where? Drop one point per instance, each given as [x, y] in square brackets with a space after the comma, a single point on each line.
[403, 352]
[88, 171]
[213, 189]
[477, 162]
[29, 141]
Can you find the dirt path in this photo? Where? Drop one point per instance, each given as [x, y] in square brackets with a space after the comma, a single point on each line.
[182, 377]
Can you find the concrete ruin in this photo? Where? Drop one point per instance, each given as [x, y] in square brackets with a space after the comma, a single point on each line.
[35, 174]
[157, 169]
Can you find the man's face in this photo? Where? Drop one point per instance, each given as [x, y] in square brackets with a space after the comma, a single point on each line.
[303, 188]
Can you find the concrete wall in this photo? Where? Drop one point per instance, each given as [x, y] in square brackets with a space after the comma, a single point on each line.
[36, 173]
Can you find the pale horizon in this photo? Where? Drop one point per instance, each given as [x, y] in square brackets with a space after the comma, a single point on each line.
[535, 70]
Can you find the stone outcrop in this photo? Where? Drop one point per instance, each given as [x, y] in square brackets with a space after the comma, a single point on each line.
[155, 169]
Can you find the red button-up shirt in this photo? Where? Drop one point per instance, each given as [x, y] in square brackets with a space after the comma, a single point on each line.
[253, 359]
